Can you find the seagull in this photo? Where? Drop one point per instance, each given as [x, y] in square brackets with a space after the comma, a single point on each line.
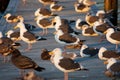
[56, 7]
[105, 54]
[66, 38]
[100, 27]
[91, 19]
[23, 62]
[6, 46]
[64, 25]
[100, 14]
[65, 65]
[46, 13]
[88, 31]
[13, 35]
[81, 8]
[80, 23]
[113, 68]
[32, 76]
[74, 46]
[89, 2]
[8, 41]
[113, 37]
[47, 2]
[11, 18]
[45, 54]
[27, 36]
[86, 51]
[44, 23]
[5, 50]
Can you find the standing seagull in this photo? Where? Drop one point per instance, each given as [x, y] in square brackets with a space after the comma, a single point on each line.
[113, 36]
[55, 7]
[65, 64]
[44, 23]
[113, 69]
[43, 12]
[23, 62]
[27, 36]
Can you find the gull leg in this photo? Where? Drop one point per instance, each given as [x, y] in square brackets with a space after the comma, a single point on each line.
[29, 47]
[65, 76]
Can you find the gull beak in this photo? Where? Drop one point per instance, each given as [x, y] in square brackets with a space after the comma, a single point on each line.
[35, 18]
[55, 32]
[105, 62]
[15, 27]
[51, 53]
[4, 16]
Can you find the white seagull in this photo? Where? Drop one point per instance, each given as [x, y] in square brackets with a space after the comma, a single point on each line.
[65, 65]
[27, 36]
[113, 36]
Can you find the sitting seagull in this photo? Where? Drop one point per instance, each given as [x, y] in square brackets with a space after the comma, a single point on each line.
[100, 27]
[46, 13]
[65, 65]
[23, 62]
[112, 69]
[11, 18]
[88, 31]
[32, 76]
[45, 54]
[47, 2]
[113, 36]
[44, 23]
[5, 50]
[105, 54]
[66, 38]
[13, 35]
[89, 2]
[81, 8]
[56, 7]
[91, 19]
[27, 36]
[86, 51]
[80, 23]
[8, 41]
[6, 46]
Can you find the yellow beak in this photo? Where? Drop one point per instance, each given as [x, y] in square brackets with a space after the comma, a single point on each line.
[4, 16]
[35, 18]
[15, 27]
[55, 32]
[51, 53]
[105, 62]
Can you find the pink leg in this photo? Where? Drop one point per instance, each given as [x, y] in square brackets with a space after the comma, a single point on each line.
[24, 2]
[43, 32]
[116, 47]
[46, 31]
[29, 47]
[65, 76]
